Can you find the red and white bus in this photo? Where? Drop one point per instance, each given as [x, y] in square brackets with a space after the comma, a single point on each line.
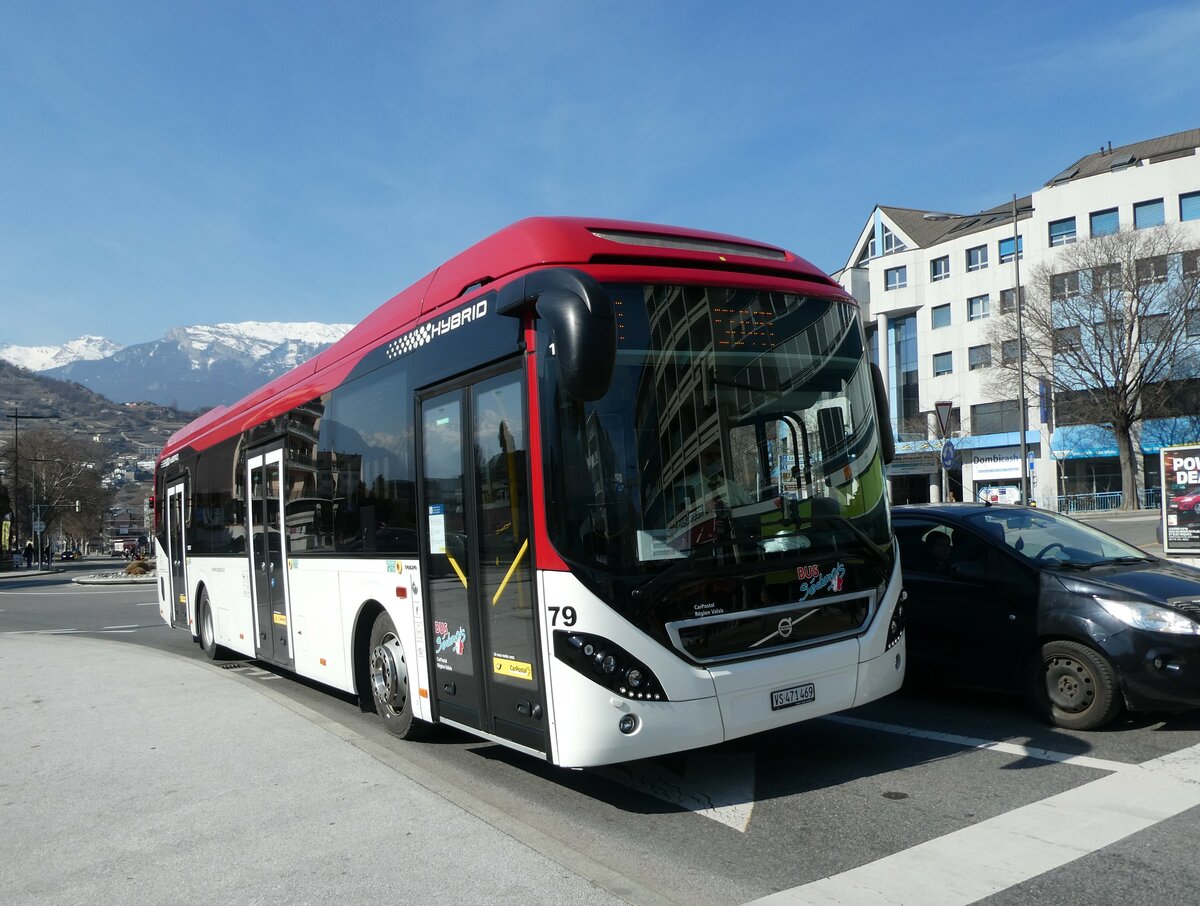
[592, 489]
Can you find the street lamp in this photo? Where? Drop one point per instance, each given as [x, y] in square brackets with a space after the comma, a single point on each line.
[1021, 402]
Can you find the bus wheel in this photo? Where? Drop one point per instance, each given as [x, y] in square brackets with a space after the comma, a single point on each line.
[389, 680]
[1077, 686]
[208, 635]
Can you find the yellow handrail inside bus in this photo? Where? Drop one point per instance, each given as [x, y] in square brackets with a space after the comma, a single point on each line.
[512, 569]
[461, 576]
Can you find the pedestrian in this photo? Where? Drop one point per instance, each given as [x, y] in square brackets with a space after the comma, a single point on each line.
[29, 553]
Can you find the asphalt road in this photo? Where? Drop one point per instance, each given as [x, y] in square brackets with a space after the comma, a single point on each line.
[902, 801]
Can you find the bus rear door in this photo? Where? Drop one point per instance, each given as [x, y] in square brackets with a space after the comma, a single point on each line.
[477, 559]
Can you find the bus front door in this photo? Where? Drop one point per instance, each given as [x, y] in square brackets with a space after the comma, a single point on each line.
[177, 555]
[478, 562]
[268, 557]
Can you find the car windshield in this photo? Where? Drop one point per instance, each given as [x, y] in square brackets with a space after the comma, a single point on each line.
[1049, 539]
[739, 426]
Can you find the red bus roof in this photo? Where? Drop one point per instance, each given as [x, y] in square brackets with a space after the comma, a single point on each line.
[529, 243]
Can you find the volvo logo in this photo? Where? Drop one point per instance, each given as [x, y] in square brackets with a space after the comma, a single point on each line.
[785, 627]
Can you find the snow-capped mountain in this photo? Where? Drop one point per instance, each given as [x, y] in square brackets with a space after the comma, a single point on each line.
[204, 365]
[42, 358]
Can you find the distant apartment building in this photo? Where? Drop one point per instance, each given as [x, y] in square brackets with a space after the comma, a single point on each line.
[929, 282]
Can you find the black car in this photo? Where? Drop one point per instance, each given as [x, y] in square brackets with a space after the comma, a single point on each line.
[1020, 598]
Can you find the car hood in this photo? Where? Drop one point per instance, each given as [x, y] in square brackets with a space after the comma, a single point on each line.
[1160, 580]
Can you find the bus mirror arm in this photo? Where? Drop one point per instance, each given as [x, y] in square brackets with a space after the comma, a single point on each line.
[887, 441]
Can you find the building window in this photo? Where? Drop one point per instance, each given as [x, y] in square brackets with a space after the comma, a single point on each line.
[1008, 352]
[943, 363]
[1189, 206]
[1148, 214]
[1067, 338]
[1193, 324]
[979, 357]
[1152, 328]
[1105, 223]
[1006, 249]
[1106, 279]
[939, 268]
[872, 249]
[1152, 270]
[940, 316]
[1062, 232]
[892, 243]
[1008, 300]
[1191, 264]
[895, 278]
[977, 258]
[996, 418]
[978, 308]
[1064, 286]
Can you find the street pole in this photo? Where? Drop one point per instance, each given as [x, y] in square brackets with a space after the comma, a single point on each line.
[1020, 355]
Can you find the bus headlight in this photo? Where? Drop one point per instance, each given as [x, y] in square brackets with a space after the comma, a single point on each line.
[608, 665]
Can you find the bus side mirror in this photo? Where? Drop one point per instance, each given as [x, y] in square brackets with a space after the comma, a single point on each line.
[887, 441]
[585, 337]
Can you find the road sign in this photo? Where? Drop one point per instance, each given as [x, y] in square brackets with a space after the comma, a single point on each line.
[942, 408]
[949, 455]
[39, 527]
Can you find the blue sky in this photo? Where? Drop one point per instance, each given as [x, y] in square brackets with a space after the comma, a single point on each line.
[164, 164]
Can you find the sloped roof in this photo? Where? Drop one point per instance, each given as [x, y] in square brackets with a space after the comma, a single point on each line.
[927, 228]
[1165, 147]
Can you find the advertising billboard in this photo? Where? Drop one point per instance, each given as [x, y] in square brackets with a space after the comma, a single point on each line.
[1181, 499]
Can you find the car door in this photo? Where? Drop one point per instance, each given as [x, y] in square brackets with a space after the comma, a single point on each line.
[972, 616]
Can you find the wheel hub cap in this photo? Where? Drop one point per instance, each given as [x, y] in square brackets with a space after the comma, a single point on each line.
[389, 674]
[1069, 684]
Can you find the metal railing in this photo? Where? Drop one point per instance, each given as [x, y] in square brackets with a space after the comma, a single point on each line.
[1148, 499]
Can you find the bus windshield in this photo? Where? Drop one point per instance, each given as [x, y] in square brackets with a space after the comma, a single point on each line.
[739, 428]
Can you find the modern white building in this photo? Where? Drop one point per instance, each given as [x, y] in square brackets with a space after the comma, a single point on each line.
[930, 281]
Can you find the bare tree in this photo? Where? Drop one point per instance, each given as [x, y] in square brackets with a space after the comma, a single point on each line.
[1112, 324]
[61, 474]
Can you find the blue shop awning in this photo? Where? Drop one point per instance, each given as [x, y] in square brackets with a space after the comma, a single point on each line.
[1087, 441]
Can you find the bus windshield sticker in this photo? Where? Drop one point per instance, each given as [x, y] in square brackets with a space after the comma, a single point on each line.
[437, 529]
[832, 580]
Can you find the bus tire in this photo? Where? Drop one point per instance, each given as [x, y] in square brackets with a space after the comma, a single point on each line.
[208, 635]
[388, 673]
[1077, 686]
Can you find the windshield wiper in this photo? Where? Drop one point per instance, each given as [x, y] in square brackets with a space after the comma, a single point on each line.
[1123, 560]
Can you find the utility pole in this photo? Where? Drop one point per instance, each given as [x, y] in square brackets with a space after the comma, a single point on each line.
[1020, 356]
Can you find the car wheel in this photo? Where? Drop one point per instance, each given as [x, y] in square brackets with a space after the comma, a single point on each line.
[1077, 686]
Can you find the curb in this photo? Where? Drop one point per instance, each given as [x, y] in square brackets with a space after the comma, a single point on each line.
[113, 579]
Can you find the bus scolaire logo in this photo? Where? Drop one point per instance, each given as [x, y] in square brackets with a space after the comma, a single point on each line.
[431, 330]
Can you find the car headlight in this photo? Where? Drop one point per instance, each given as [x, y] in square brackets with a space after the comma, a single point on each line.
[1140, 615]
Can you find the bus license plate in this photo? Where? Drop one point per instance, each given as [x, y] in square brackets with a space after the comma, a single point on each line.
[797, 695]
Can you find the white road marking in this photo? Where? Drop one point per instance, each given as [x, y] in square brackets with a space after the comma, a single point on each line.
[969, 864]
[717, 786]
[124, 626]
[971, 742]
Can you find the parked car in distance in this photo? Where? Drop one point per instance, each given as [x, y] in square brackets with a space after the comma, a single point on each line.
[1030, 600]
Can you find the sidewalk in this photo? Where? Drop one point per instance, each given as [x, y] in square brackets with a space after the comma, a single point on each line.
[130, 775]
